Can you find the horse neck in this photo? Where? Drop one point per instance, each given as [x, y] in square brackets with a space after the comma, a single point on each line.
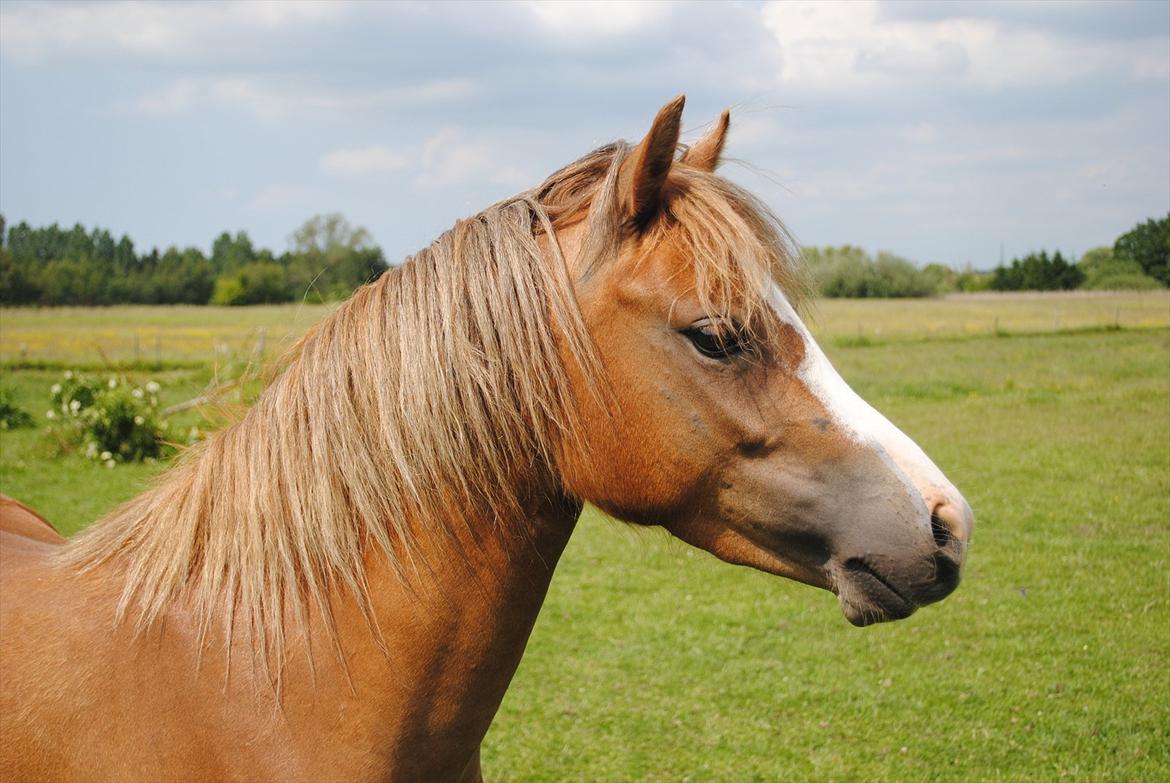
[452, 637]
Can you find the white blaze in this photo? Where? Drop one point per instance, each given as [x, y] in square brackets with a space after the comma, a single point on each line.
[860, 421]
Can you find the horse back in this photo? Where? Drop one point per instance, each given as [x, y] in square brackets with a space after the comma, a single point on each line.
[20, 520]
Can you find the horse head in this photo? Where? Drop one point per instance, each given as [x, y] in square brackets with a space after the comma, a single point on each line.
[721, 419]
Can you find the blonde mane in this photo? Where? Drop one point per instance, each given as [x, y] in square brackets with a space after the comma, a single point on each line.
[435, 387]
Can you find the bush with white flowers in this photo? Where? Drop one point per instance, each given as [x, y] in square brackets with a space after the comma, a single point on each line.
[109, 418]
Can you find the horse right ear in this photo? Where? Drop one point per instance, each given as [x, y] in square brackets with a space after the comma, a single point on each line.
[644, 173]
[707, 150]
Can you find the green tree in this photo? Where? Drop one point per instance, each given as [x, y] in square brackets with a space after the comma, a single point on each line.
[1148, 244]
[328, 257]
[1037, 272]
[229, 254]
[941, 277]
[16, 284]
[103, 247]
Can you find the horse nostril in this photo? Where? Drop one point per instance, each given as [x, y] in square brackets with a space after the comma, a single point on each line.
[947, 575]
[939, 529]
[950, 522]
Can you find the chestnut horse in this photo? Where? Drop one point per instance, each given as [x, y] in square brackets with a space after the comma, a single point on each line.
[340, 586]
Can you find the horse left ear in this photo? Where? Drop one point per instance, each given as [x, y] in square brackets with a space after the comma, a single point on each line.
[644, 172]
[706, 151]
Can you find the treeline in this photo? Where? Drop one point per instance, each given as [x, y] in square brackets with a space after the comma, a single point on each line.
[327, 259]
[1138, 260]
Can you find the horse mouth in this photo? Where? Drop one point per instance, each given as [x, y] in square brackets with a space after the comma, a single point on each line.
[867, 597]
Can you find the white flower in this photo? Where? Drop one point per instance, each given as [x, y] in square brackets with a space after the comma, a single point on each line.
[91, 449]
[139, 420]
[106, 456]
[110, 463]
[74, 406]
[113, 383]
[137, 394]
[50, 414]
[152, 387]
[55, 389]
[69, 375]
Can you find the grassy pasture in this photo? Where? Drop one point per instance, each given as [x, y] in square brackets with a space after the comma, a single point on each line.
[652, 661]
[147, 333]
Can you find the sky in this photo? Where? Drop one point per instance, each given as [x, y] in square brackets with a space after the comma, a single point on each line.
[943, 132]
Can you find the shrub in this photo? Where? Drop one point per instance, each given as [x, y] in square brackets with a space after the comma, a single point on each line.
[260, 282]
[1104, 270]
[11, 416]
[113, 420]
[971, 280]
[850, 272]
[1123, 281]
[228, 291]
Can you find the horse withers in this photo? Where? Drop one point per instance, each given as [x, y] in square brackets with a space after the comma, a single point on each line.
[340, 586]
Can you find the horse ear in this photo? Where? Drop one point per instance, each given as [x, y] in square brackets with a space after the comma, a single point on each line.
[706, 151]
[644, 172]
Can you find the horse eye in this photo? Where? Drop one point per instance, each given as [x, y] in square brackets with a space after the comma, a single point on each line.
[717, 341]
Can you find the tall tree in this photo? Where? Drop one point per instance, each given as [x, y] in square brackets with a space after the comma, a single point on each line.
[1149, 245]
[230, 253]
[329, 257]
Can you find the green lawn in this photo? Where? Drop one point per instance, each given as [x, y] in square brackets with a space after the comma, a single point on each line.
[652, 661]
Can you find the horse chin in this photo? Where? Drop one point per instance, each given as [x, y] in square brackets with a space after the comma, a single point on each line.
[867, 598]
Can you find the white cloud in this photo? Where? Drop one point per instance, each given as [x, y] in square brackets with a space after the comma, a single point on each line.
[274, 100]
[448, 158]
[595, 18]
[376, 159]
[444, 159]
[836, 45]
[39, 32]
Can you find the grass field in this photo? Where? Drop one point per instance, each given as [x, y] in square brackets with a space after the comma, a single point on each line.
[652, 661]
[206, 334]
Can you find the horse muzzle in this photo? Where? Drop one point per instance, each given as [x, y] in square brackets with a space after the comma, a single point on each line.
[878, 586]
